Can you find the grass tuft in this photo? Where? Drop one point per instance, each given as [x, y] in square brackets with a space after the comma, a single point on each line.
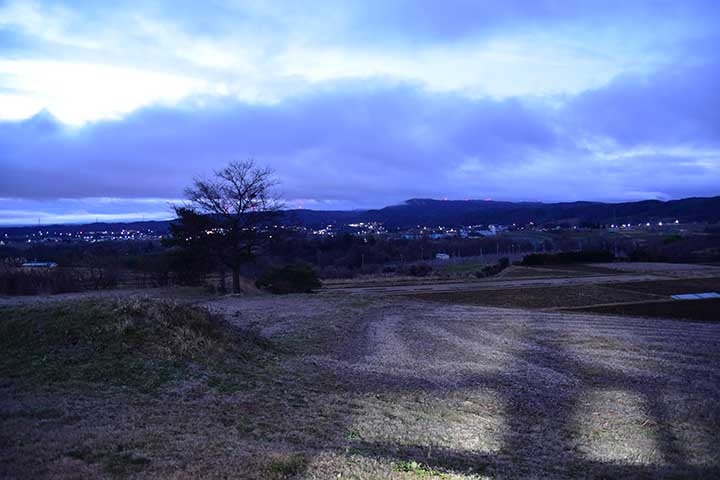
[285, 465]
[417, 469]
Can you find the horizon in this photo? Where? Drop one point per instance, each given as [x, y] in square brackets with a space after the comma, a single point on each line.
[109, 111]
[142, 219]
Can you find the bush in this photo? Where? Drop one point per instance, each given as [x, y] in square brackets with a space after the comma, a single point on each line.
[294, 278]
[416, 270]
[18, 281]
[332, 271]
[671, 239]
[491, 270]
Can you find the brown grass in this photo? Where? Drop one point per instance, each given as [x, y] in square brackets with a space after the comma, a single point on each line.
[538, 297]
[355, 387]
[707, 310]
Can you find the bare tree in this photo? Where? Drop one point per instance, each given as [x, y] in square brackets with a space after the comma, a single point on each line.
[228, 216]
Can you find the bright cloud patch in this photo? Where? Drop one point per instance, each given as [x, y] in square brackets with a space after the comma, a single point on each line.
[78, 92]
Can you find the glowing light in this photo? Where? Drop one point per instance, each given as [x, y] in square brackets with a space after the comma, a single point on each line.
[80, 92]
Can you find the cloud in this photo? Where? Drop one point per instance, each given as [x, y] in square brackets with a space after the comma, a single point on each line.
[347, 134]
[359, 106]
[33, 212]
[372, 143]
[76, 92]
[266, 52]
[677, 105]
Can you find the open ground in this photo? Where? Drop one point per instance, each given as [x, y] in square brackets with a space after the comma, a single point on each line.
[506, 377]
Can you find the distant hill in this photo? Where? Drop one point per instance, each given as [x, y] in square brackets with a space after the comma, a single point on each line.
[157, 226]
[468, 212]
[430, 212]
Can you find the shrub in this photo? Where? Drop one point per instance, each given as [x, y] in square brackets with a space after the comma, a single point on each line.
[490, 270]
[333, 271]
[17, 281]
[671, 239]
[417, 269]
[293, 278]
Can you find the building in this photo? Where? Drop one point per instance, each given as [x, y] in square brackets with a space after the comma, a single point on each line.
[39, 265]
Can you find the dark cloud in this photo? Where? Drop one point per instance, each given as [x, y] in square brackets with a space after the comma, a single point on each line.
[349, 142]
[372, 143]
[678, 105]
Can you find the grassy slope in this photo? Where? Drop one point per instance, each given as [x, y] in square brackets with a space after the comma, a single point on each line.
[119, 388]
[140, 345]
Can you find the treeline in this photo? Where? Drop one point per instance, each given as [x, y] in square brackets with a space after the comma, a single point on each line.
[84, 266]
[344, 256]
[92, 266]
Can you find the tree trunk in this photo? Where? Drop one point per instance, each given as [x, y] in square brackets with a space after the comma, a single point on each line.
[223, 286]
[236, 280]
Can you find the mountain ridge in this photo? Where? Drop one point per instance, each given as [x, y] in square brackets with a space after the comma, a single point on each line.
[432, 212]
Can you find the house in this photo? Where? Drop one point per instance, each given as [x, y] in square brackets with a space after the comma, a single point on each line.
[39, 265]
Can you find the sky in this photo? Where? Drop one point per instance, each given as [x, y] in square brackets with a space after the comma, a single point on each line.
[108, 110]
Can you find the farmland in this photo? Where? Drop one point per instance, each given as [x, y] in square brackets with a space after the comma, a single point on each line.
[497, 378]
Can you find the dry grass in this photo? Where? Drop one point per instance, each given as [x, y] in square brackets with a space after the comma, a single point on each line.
[707, 310]
[680, 270]
[365, 387]
[539, 297]
[672, 287]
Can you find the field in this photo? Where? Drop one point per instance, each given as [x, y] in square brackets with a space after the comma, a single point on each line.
[364, 382]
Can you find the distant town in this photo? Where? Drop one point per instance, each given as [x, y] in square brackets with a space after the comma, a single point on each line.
[49, 234]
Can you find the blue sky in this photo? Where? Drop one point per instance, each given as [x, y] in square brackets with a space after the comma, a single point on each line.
[109, 109]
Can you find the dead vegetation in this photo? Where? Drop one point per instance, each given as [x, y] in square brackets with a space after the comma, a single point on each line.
[538, 297]
[338, 386]
[707, 310]
[135, 343]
